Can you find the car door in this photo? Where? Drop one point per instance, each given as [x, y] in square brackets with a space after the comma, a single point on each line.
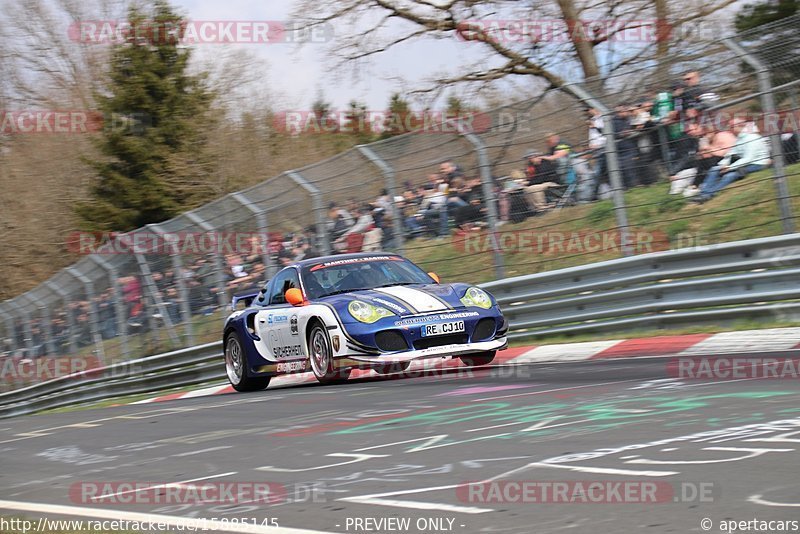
[276, 324]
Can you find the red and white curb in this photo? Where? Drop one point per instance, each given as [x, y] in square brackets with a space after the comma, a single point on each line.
[767, 340]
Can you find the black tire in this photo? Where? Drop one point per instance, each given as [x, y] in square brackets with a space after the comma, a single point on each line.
[389, 368]
[320, 356]
[479, 358]
[236, 367]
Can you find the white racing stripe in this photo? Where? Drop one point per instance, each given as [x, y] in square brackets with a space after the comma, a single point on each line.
[421, 301]
[172, 520]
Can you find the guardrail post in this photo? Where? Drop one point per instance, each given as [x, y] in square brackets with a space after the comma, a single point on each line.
[391, 187]
[487, 187]
[177, 266]
[263, 228]
[222, 297]
[70, 318]
[119, 304]
[319, 209]
[612, 162]
[89, 288]
[768, 108]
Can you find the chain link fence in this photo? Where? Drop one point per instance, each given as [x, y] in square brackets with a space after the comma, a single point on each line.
[579, 174]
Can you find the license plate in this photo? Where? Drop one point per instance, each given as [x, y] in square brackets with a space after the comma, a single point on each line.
[440, 329]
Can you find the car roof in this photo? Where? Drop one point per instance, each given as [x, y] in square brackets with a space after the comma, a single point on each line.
[340, 257]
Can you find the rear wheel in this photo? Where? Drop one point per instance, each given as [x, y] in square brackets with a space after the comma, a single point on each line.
[321, 356]
[479, 358]
[236, 367]
[389, 368]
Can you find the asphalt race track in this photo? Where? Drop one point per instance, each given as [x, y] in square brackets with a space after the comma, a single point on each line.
[345, 458]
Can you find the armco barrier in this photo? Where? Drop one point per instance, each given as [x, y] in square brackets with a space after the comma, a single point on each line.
[702, 284]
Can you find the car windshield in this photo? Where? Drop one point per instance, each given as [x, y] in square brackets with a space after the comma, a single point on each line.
[340, 276]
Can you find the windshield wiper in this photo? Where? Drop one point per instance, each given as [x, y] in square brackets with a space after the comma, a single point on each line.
[399, 284]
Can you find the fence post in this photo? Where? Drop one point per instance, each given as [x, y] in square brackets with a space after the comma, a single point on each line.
[612, 163]
[26, 324]
[768, 108]
[487, 187]
[119, 304]
[391, 187]
[319, 209]
[263, 227]
[222, 297]
[150, 287]
[89, 288]
[183, 295]
[9, 331]
[70, 318]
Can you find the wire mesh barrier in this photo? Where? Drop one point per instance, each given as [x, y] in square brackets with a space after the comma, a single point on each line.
[697, 148]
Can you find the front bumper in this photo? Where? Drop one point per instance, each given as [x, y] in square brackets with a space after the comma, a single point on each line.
[459, 349]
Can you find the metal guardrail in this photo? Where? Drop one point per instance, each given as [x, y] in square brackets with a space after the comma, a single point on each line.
[730, 280]
[701, 284]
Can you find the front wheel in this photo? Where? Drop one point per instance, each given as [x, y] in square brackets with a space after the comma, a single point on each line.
[479, 358]
[321, 356]
[236, 367]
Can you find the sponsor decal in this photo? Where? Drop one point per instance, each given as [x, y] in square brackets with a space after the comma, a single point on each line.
[293, 325]
[336, 345]
[287, 351]
[390, 305]
[291, 367]
[351, 261]
[435, 317]
[277, 319]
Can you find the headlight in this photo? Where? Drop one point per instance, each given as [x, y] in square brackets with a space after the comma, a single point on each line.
[367, 313]
[477, 297]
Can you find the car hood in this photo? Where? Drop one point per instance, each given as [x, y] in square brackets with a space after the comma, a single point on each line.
[405, 300]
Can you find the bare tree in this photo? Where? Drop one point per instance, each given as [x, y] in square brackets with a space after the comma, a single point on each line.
[546, 41]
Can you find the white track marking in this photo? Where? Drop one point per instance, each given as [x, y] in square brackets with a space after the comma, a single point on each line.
[191, 453]
[752, 454]
[355, 458]
[177, 521]
[757, 499]
[377, 498]
[605, 470]
[157, 486]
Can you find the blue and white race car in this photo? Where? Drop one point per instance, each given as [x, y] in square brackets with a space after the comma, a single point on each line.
[337, 313]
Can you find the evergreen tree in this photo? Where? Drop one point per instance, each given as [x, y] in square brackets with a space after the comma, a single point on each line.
[396, 117]
[152, 168]
[777, 45]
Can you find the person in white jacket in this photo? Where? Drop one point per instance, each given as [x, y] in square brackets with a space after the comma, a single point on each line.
[750, 154]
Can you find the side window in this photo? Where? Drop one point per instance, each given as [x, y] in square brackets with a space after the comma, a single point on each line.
[282, 283]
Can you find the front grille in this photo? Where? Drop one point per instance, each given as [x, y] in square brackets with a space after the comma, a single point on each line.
[390, 340]
[483, 330]
[438, 341]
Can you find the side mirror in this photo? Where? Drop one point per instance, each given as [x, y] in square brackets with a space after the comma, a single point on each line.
[434, 276]
[294, 296]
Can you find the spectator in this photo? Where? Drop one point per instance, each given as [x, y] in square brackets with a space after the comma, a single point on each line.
[541, 174]
[713, 147]
[685, 168]
[558, 153]
[449, 171]
[597, 145]
[339, 221]
[627, 147]
[750, 154]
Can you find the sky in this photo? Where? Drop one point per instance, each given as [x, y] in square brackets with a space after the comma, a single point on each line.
[297, 73]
